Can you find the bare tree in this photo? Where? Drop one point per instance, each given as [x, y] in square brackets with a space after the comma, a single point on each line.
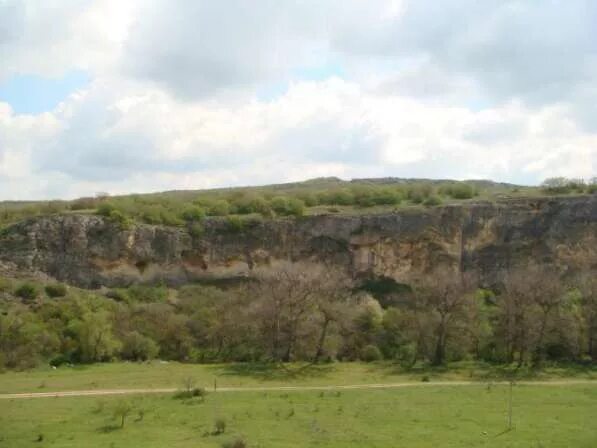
[531, 296]
[288, 295]
[444, 295]
[587, 285]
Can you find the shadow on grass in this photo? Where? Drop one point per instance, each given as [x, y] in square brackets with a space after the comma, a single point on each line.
[106, 429]
[275, 371]
[484, 371]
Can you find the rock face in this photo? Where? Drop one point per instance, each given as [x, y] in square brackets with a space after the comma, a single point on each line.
[486, 239]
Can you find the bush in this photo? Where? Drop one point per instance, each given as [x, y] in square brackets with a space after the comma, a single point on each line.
[370, 353]
[137, 347]
[5, 284]
[193, 214]
[432, 201]
[236, 443]
[27, 291]
[219, 426]
[219, 208]
[196, 230]
[147, 294]
[117, 217]
[459, 190]
[59, 360]
[56, 290]
[418, 193]
[295, 207]
[106, 209]
[407, 355]
[194, 392]
[234, 224]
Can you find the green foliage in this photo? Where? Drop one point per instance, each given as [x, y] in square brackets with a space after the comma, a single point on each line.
[193, 214]
[219, 426]
[221, 207]
[234, 224]
[563, 185]
[121, 411]
[147, 293]
[56, 290]
[5, 284]
[27, 291]
[432, 201]
[458, 190]
[196, 230]
[370, 353]
[137, 347]
[239, 442]
[419, 193]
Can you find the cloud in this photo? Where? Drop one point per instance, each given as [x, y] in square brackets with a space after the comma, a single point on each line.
[496, 89]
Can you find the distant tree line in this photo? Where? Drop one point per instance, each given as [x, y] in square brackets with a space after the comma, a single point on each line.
[306, 312]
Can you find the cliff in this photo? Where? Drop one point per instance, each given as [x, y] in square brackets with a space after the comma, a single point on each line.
[484, 238]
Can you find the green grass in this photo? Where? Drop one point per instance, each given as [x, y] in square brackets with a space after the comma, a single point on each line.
[157, 374]
[466, 416]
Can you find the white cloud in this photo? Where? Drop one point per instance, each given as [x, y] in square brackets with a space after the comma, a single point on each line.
[498, 89]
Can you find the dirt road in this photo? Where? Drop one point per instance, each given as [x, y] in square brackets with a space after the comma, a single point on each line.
[87, 393]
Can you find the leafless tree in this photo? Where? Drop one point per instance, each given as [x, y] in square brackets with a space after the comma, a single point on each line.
[587, 285]
[443, 295]
[532, 295]
[288, 295]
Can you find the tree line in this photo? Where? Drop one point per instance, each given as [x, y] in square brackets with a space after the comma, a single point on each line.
[307, 312]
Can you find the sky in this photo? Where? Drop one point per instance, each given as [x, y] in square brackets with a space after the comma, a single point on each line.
[125, 96]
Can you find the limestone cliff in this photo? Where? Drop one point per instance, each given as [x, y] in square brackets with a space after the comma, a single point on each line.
[485, 238]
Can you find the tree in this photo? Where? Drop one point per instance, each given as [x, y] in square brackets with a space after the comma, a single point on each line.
[122, 410]
[531, 295]
[27, 291]
[286, 296]
[95, 337]
[587, 285]
[137, 347]
[444, 296]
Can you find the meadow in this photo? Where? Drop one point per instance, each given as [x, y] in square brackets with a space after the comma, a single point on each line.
[474, 415]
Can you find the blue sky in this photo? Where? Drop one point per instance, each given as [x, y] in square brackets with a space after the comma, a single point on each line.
[34, 94]
[181, 95]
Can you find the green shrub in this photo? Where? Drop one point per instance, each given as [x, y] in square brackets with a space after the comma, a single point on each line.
[219, 426]
[418, 193]
[219, 208]
[147, 294]
[193, 214]
[5, 284]
[234, 224]
[137, 347]
[196, 230]
[432, 201]
[117, 217]
[236, 443]
[27, 291]
[295, 207]
[56, 290]
[458, 190]
[105, 209]
[370, 353]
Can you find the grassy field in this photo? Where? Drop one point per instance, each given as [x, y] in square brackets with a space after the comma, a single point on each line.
[158, 374]
[434, 416]
[475, 415]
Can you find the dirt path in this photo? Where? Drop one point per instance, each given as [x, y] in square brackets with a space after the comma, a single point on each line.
[88, 393]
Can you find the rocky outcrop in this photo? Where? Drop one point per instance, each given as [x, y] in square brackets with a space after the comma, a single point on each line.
[486, 239]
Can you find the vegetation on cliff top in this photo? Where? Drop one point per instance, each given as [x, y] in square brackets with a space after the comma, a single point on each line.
[317, 196]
